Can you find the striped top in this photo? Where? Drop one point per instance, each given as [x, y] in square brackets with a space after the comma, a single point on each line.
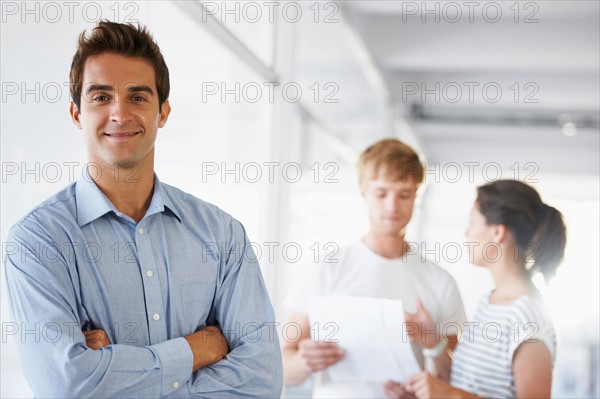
[482, 361]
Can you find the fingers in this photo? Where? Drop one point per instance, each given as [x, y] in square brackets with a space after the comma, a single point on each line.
[319, 355]
[393, 390]
[420, 327]
[309, 344]
[410, 317]
[416, 322]
[415, 381]
[421, 310]
[208, 346]
[412, 327]
[421, 384]
[218, 348]
[96, 339]
[420, 307]
[412, 380]
[95, 335]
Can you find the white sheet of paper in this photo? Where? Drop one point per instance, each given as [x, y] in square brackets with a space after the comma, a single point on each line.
[370, 332]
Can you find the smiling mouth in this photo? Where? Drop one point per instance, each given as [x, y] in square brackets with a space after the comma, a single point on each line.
[124, 134]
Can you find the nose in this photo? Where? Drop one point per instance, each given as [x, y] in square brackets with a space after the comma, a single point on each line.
[120, 112]
[391, 203]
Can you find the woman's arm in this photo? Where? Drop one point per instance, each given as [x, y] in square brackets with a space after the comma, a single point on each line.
[425, 386]
[532, 370]
[421, 330]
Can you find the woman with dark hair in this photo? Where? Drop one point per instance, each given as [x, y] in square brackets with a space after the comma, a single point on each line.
[508, 350]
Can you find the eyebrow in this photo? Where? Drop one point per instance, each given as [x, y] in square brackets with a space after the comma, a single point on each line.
[131, 89]
[142, 88]
[96, 87]
[401, 191]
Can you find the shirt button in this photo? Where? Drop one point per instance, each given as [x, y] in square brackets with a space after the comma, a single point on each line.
[149, 273]
[141, 230]
[156, 317]
[176, 385]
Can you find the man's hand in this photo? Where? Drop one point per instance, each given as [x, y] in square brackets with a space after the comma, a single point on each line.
[208, 346]
[96, 339]
[394, 390]
[318, 356]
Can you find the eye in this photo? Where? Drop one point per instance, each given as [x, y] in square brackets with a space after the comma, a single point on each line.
[100, 98]
[406, 195]
[138, 99]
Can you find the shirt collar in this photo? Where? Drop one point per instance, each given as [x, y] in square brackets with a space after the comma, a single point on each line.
[165, 199]
[161, 200]
[92, 203]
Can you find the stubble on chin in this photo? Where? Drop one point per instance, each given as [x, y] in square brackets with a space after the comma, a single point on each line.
[125, 165]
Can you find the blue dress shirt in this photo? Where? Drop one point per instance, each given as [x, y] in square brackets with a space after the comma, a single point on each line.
[75, 262]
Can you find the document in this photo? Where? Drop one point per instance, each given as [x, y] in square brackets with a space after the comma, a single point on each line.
[372, 333]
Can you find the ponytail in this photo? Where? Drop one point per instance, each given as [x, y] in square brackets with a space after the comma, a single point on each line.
[550, 239]
[538, 229]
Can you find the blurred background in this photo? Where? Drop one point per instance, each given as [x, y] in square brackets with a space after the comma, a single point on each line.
[273, 101]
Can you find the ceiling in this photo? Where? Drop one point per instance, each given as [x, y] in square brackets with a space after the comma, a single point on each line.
[473, 83]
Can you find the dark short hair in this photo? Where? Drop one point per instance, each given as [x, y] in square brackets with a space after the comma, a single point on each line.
[124, 39]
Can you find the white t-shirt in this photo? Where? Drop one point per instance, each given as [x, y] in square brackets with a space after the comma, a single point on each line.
[482, 362]
[361, 272]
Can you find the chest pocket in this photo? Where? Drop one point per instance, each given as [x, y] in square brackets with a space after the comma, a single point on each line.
[197, 300]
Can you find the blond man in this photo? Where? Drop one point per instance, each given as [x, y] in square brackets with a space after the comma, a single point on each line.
[380, 264]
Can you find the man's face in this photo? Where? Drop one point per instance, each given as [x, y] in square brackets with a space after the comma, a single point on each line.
[119, 113]
[390, 203]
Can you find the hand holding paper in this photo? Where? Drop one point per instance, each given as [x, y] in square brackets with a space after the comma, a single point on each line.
[370, 331]
[319, 355]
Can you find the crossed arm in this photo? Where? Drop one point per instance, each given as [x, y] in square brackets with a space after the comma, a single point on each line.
[208, 345]
[43, 295]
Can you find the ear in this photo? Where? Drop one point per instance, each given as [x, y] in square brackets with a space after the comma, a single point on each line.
[164, 113]
[499, 233]
[74, 111]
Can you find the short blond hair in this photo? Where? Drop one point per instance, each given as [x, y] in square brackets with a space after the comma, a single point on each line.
[393, 158]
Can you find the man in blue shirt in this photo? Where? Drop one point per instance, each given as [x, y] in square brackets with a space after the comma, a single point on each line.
[140, 289]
